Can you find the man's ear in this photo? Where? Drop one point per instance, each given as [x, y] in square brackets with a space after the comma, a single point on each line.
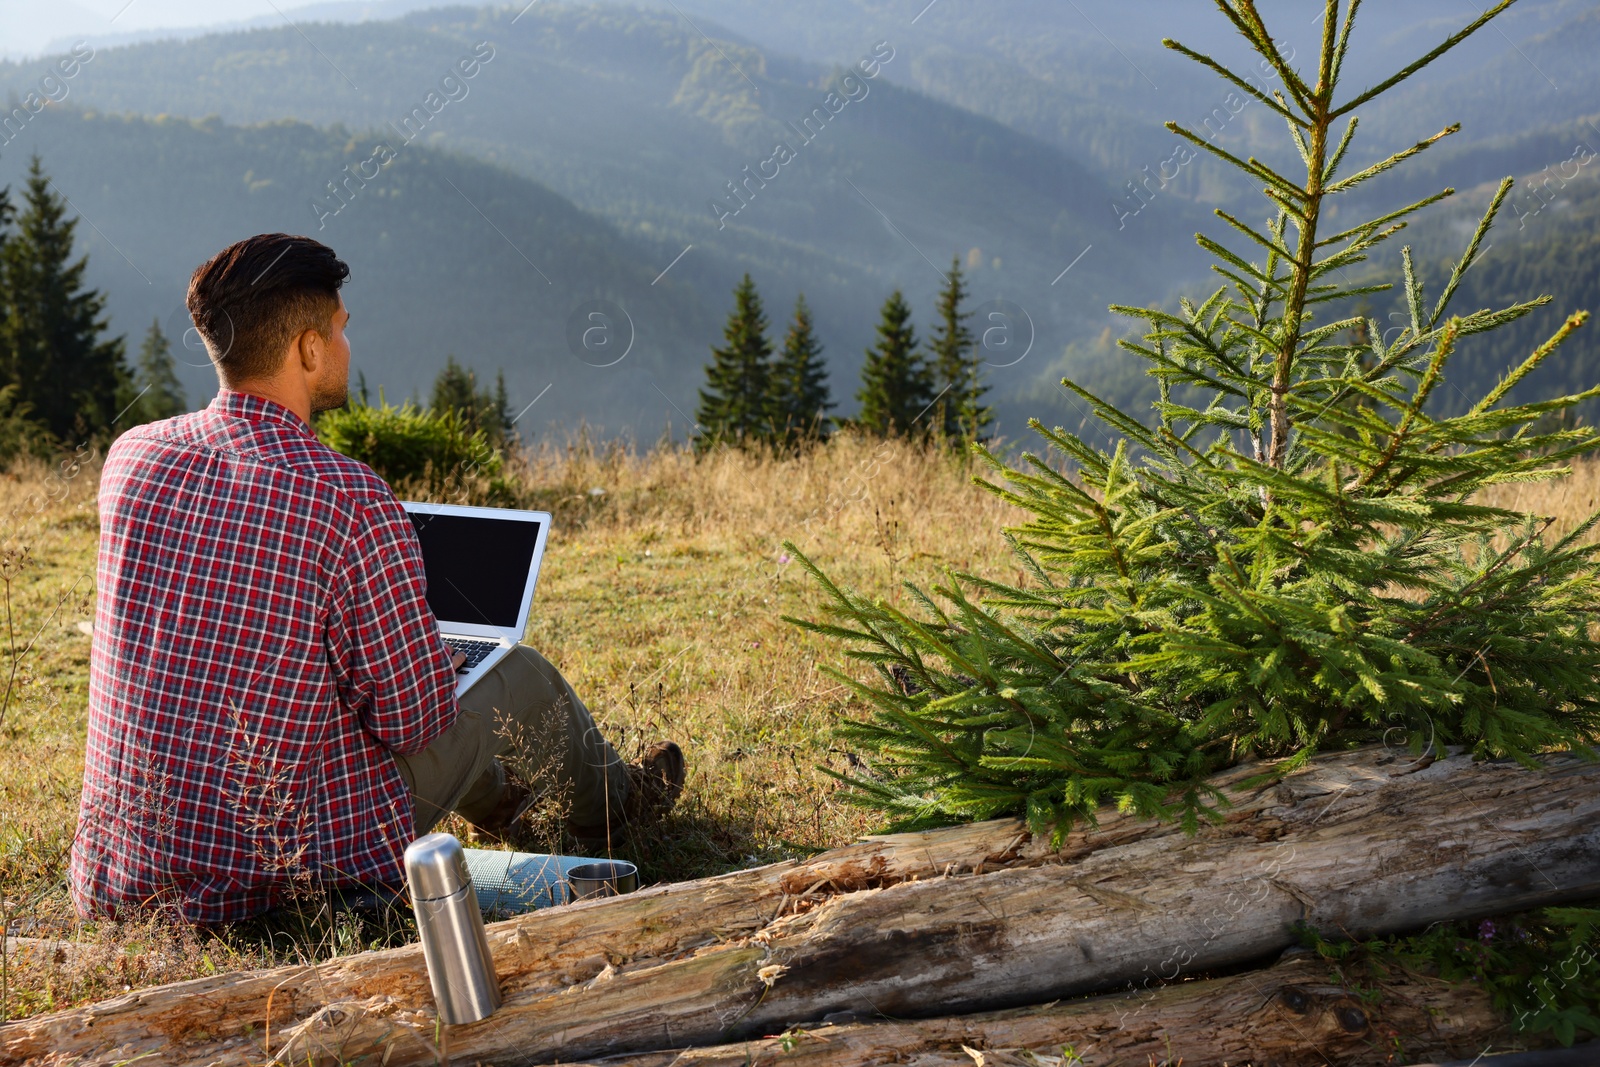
[308, 348]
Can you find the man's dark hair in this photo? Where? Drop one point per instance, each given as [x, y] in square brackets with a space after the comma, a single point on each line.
[252, 298]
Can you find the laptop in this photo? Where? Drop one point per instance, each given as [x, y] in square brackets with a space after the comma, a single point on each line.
[481, 565]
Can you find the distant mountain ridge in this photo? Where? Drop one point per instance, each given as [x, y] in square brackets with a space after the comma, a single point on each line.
[45, 29]
[638, 119]
[1075, 75]
[448, 255]
[1021, 135]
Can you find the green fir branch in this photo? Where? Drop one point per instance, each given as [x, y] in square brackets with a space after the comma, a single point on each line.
[1449, 43]
[1294, 557]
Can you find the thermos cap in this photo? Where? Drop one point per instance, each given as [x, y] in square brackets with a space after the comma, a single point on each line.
[436, 866]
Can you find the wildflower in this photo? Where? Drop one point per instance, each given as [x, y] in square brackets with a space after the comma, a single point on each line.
[1486, 930]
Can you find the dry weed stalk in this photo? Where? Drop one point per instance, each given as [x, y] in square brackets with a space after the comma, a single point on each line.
[623, 601]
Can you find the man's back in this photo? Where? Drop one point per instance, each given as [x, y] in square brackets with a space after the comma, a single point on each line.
[262, 644]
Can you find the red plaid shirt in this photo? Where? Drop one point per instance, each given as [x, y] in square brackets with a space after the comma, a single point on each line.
[262, 646]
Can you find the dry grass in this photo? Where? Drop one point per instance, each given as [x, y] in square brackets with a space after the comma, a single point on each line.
[661, 599]
[1568, 501]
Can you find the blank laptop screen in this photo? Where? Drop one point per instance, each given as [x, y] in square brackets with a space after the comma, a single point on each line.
[477, 567]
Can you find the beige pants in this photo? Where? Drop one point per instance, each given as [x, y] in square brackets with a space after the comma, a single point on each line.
[524, 711]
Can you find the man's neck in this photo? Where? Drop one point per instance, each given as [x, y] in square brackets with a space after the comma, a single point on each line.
[282, 393]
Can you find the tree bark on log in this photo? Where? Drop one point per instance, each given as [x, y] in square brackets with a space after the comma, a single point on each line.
[960, 920]
[1294, 1014]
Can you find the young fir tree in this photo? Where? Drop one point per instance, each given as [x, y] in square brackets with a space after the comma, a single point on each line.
[896, 382]
[157, 392]
[50, 339]
[961, 413]
[1268, 570]
[734, 403]
[800, 399]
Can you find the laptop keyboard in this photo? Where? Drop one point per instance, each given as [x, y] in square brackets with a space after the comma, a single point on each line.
[475, 651]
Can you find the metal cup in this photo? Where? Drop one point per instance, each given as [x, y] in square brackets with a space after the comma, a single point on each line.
[602, 878]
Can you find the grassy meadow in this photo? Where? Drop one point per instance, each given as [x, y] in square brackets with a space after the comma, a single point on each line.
[660, 598]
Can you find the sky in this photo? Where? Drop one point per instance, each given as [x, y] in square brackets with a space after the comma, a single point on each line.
[28, 26]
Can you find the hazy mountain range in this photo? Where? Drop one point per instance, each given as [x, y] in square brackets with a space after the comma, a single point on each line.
[634, 155]
[34, 29]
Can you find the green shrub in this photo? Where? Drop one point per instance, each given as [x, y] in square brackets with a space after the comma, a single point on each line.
[421, 453]
[1541, 969]
[20, 433]
[1292, 562]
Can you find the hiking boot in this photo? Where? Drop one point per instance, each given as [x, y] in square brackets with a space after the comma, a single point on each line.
[655, 783]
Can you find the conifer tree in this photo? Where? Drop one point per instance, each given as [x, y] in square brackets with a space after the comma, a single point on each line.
[734, 404]
[896, 382]
[456, 390]
[7, 216]
[157, 392]
[800, 398]
[962, 415]
[501, 425]
[50, 339]
[19, 432]
[1293, 557]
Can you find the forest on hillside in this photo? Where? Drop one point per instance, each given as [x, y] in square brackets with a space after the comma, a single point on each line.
[603, 153]
[880, 198]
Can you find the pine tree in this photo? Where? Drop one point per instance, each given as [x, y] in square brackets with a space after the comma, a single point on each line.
[1269, 570]
[733, 406]
[50, 338]
[456, 390]
[800, 398]
[896, 382]
[961, 413]
[20, 432]
[7, 217]
[157, 392]
[500, 427]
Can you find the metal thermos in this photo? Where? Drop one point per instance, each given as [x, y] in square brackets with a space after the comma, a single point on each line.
[465, 987]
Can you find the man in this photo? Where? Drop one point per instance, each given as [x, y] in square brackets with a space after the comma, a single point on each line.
[271, 706]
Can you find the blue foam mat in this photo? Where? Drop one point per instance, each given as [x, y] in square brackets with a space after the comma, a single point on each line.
[509, 883]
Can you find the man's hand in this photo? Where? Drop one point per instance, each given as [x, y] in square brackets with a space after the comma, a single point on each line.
[457, 660]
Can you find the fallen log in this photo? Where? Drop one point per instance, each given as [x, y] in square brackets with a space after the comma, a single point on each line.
[1585, 1055]
[1294, 1014]
[963, 920]
[565, 946]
